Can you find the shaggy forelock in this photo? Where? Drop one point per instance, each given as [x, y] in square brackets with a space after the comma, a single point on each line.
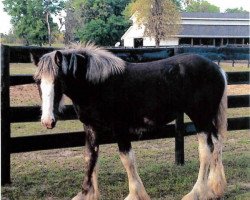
[102, 63]
[46, 67]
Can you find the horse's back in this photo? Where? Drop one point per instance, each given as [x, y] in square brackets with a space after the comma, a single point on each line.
[186, 82]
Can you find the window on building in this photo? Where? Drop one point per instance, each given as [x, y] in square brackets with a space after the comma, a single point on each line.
[225, 41]
[207, 41]
[197, 41]
[138, 42]
[239, 41]
[246, 40]
[185, 41]
[231, 40]
[218, 42]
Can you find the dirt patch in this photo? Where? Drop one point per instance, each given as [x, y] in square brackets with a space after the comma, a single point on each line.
[239, 89]
[24, 95]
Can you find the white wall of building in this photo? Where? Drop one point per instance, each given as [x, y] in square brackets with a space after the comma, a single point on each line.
[151, 42]
[138, 32]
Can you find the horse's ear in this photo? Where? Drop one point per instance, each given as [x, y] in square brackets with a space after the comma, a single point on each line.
[34, 58]
[58, 58]
[77, 65]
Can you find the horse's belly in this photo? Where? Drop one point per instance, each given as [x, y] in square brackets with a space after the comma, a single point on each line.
[150, 124]
[157, 120]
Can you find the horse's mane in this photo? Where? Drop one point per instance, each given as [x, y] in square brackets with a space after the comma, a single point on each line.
[102, 63]
[46, 67]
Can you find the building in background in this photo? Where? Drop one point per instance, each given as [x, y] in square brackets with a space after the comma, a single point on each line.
[210, 29]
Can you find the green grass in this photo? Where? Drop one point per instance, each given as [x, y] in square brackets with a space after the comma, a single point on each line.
[35, 128]
[22, 68]
[227, 66]
[57, 174]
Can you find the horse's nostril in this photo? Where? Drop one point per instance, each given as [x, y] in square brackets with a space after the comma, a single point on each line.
[53, 123]
[49, 123]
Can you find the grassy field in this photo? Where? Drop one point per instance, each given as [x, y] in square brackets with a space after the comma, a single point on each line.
[57, 174]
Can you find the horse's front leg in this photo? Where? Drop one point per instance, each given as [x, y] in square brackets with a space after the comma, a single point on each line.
[90, 185]
[136, 187]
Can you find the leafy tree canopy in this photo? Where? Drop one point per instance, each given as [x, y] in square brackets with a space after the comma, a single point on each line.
[201, 6]
[102, 20]
[161, 18]
[28, 18]
[236, 10]
[179, 4]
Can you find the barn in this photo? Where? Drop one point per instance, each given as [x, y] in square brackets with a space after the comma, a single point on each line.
[209, 29]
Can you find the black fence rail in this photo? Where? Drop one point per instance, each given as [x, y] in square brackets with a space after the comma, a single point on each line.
[74, 139]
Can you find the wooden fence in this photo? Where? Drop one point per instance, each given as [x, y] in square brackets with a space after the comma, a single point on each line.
[10, 54]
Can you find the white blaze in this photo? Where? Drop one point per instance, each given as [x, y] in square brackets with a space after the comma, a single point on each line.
[47, 87]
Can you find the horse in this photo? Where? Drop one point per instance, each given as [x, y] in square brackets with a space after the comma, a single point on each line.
[111, 94]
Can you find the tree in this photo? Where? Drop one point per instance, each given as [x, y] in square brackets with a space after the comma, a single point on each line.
[31, 19]
[178, 4]
[201, 6]
[160, 18]
[102, 21]
[236, 10]
[51, 7]
[73, 20]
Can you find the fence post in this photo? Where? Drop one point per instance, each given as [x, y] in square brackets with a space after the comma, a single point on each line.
[5, 115]
[179, 139]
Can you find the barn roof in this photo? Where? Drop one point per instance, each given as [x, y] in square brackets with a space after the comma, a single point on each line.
[215, 25]
[189, 30]
[215, 15]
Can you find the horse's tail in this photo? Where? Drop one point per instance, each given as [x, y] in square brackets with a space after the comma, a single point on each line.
[221, 118]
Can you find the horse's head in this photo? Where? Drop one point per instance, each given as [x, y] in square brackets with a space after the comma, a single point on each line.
[61, 72]
[52, 70]
[50, 87]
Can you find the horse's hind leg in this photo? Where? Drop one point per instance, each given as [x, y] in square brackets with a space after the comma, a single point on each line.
[211, 181]
[216, 179]
[90, 185]
[136, 188]
[200, 190]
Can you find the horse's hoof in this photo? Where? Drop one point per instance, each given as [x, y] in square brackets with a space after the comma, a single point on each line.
[200, 195]
[137, 197]
[89, 196]
[190, 196]
[79, 196]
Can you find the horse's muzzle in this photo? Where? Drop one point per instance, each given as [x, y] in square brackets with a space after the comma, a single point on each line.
[48, 123]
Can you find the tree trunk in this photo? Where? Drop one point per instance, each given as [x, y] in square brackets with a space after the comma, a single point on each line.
[157, 12]
[26, 41]
[157, 42]
[48, 24]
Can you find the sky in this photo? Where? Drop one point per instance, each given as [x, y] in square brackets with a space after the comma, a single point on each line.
[223, 4]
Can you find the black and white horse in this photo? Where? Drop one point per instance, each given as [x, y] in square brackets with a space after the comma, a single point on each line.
[109, 93]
